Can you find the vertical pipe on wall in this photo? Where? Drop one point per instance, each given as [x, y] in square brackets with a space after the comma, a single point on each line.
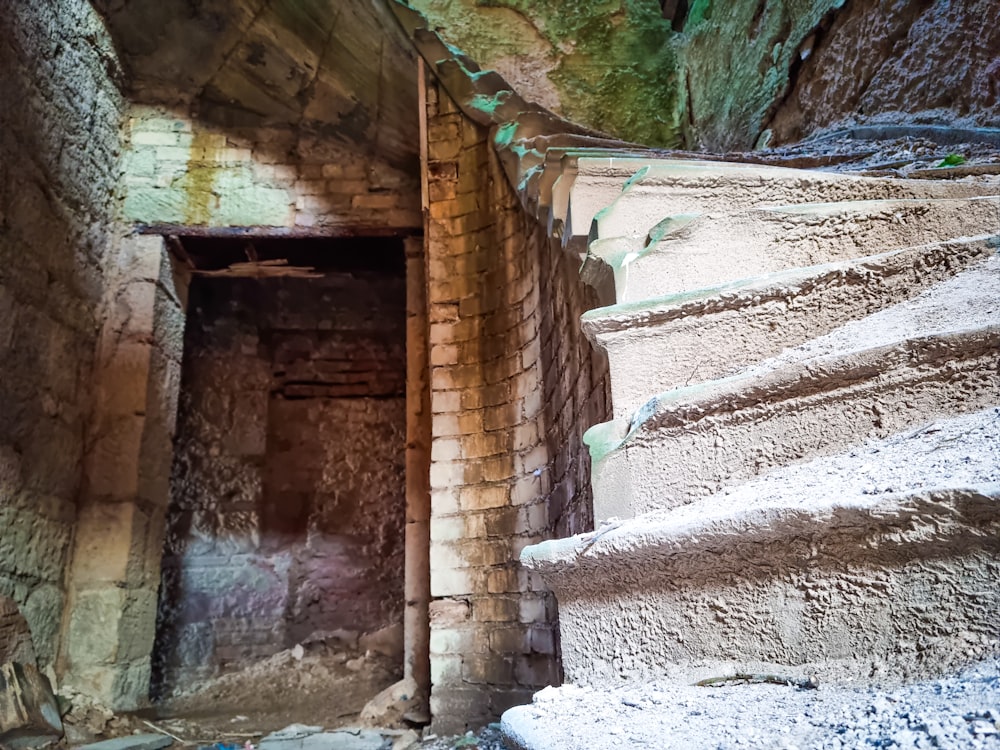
[417, 586]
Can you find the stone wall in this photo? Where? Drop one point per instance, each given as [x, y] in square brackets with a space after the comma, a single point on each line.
[184, 172]
[118, 537]
[288, 484]
[59, 168]
[513, 387]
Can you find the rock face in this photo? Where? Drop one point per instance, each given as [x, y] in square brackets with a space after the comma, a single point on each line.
[29, 715]
[717, 75]
[887, 59]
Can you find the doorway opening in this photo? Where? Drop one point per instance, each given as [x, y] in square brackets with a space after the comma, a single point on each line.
[281, 596]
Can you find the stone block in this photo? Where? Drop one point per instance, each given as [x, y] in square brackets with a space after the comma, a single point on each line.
[487, 669]
[448, 528]
[452, 582]
[445, 668]
[444, 557]
[131, 742]
[137, 627]
[510, 640]
[444, 501]
[446, 474]
[113, 465]
[15, 636]
[92, 634]
[110, 539]
[457, 641]
[484, 496]
[501, 581]
[29, 715]
[536, 670]
[124, 378]
[495, 609]
[445, 449]
[445, 613]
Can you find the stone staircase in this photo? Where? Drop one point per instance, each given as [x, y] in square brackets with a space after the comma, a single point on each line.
[802, 475]
[803, 471]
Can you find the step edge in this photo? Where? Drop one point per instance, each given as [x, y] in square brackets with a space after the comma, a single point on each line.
[679, 407]
[754, 290]
[658, 531]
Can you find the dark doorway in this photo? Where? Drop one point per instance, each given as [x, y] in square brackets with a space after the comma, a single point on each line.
[286, 527]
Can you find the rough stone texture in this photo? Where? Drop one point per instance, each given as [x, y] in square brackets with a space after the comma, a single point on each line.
[721, 76]
[705, 250]
[120, 521]
[893, 59]
[15, 636]
[605, 65]
[729, 547]
[872, 376]
[629, 202]
[340, 70]
[59, 167]
[512, 384]
[131, 742]
[830, 568]
[956, 712]
[658, 345]
[29, 715]
[288, 493]
[183, 171]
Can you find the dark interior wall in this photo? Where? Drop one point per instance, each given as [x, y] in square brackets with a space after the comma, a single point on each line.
[60, 120]
[288, 484]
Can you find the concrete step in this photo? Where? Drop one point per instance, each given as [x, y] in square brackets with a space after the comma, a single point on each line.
[958, 712]
[661, 189]
[599, 195]
[879, 563]
[696, 251]
[930, 356]
[657, 345]
[692, 442]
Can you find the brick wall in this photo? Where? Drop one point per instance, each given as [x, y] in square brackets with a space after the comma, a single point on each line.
[60, 119]
[513, 387]
[288, 486]
[183, 172]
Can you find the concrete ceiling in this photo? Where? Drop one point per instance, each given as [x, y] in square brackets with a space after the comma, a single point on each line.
[341, 67]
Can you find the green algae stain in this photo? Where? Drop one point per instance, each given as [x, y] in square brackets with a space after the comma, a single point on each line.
[615, 66]
[198, 184]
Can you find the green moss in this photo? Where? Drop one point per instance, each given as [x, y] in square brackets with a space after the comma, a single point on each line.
[620, 74]
[701, 10]
[614, 66]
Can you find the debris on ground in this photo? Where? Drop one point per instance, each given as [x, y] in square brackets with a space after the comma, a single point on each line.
[953, 713]
[391, 706]
[299, 737]
[29, 714]
[325, 680]
[487, 738]
[131, 742]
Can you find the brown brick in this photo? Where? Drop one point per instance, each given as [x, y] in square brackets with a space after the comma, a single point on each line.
[495, 609]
